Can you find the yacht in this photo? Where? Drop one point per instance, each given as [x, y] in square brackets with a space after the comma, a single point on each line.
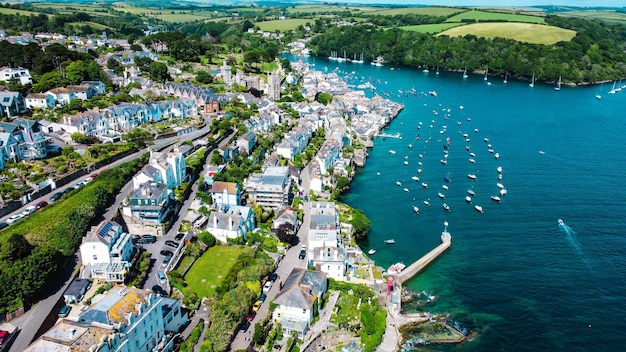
[415, 178]
[496, 155]
[406, 163]
[440, 195]
[446, 207]
[416, 209]
[499, 169]
[444, 187]
[424, 184]
[371, 251]
[471, 176]
[561, 223]
[471, 193]
[390, 241]
[478, 208]
[501, 186]
[392, 152]
[427, 203]
[472, 161]
[468, 199]
[496, 199]
[406, 190]
[398, 183]
[503, 192]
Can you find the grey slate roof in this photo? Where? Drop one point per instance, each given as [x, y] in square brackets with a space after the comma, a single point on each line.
[300, 288]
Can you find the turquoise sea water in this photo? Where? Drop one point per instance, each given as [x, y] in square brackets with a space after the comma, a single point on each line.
[513, 276]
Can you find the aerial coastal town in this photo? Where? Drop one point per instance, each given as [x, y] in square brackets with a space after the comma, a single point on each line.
[130, 284]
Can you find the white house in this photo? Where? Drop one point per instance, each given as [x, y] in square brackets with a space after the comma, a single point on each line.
[167, 168]
[230, 222]
[324, 227]
[105, 252]
[40, 101]
[298, 300]
[225, 193]
[21, 74]
[329, 260]
[270, 189]
[122, 319]
[62, 96]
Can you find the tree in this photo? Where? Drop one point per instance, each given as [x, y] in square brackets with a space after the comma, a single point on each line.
[324, 98]
[193, 250]
[207, 238]
[286, 233]
[115, 65]
[15, 247]
[80, 70]
[83, 139]
[204, 77]
[50, 80]
[158, 72]
[360, 223]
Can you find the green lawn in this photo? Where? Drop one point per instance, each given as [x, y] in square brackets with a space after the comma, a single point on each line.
[284, 25]
[426, 11]
[431, 28]
[208, 272]
[523, 32]
[495, 16]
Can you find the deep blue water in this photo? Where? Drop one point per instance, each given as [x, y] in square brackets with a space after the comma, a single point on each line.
[512, 275]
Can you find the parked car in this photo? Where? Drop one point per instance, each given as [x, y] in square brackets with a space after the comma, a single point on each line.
[273, 277]
[147, 239]
[3, 225]
[262, 297]
[172, 243]
[14, 218]
[179, 236]
[4, 335]
[41, 204]
[64, 311]
[135, 238]
[162, 277]
[302, 254]
[256, 306]
[87, 180]
[158, 290]
[250, 316]
[166, 253]
[245, 325]
[267, 287]
[56, 196]
[29, 210]
[165, 261]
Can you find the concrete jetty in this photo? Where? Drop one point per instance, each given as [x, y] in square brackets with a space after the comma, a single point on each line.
[423, 262]
[387, 135]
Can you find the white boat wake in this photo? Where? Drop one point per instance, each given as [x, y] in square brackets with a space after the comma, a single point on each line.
[573, 241]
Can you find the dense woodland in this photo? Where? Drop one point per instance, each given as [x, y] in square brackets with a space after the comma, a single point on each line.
[595, 54]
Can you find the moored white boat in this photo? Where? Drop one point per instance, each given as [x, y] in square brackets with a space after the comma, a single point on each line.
[444, 187]
[371, 251]
[501, 186]
[472, 161]
[392, 151]
[415, 178]
[424, 184]
[468, 199]
[446, 207]
[499, 169]
[419, 171]
[398, 183]
[502, 192]
[441, 195]
[496, 199]
[406, 163]
[471, 176]
[478, 208]
[406, 189]
[427, 203]
[396, 268]
[390, 241]
[496, 155]
[416, 209]
[471, 193]
[561, 223]
[472, 154]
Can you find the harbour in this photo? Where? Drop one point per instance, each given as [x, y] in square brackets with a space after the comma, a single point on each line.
[555, 152]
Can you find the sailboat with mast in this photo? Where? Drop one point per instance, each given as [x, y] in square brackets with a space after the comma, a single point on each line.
[486, 73]
[532, 81]
[465, 73]
[505, 77]
[613, 91]
[558, 85]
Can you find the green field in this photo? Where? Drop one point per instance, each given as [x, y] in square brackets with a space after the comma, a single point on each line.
[607, 15]
[283, 25]
[523, 32]
[426, 11]
[20, 12]
[328, 8]
[208, 272]
[92, 24]
[431, 28]
[495, 16]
